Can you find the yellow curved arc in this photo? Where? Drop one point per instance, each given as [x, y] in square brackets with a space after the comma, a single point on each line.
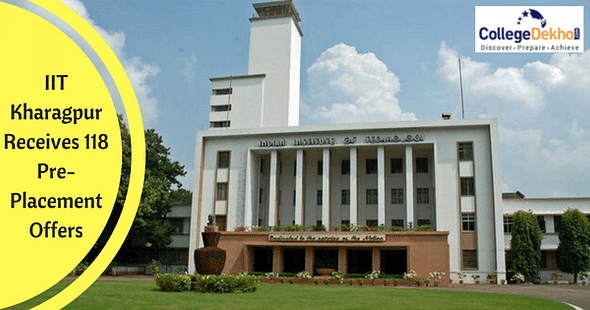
[137, 153]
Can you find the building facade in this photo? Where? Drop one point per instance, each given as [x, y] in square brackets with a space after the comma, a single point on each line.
[256, 168]
[416, 195]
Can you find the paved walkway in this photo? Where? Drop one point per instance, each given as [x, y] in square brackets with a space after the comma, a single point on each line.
[576, 295]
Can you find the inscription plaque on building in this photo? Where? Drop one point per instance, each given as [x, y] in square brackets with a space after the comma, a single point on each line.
[329, 238]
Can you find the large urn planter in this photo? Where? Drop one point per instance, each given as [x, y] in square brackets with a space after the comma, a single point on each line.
[210, 259]
[324, 271]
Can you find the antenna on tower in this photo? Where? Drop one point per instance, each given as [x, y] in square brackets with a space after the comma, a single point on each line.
[461, 85]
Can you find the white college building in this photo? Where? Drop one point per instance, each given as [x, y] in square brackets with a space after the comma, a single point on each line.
[256, 167]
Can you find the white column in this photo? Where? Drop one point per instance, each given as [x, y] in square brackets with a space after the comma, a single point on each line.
[409, 186]
[326, 189]
[272, 189]
[353, 188]
[381, 185]
[299, 189]
[248, 204]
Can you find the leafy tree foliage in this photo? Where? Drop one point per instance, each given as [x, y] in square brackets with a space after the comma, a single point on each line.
[573, 254]
[525, 245]
[161, 179]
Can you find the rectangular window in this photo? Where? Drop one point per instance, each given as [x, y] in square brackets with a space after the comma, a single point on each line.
[397, 165]
[345, 167]
[221, 221]
[294, 197]
[222, 91]
[320, 167]
[223, 159]
[508, 220]
[260, 196]
[422, 165]
[541, 222]
[423, 222]
[262, 167]
[397, 223]
[345, 200]
[372, 223]
[557, 221]
[279, 194]
[345, 222]
[177, 225]
[221, 108]
[468, 221]
[221, 191]
[371, 166]
[469, 259]
[465, 151]
[219, 124]
[319, 197]
[467, 187]
[543, 264]
[397, 196]
[371, 196]
[295, 168]
[422, 196]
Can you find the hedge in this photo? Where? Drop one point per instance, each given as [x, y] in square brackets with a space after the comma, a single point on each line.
[226, 283]
[172, 282]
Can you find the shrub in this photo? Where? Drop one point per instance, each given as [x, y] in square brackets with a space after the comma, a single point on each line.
[318, 228]
[172, 282]
[573, 254]
[154, 266]
[525, 244]
[424, 228]
[226, 283]
[303, 275]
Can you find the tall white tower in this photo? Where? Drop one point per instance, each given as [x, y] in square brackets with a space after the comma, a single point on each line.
[275, 50]
[269, 95]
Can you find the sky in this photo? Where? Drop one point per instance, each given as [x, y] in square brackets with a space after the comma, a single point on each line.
[383, 60]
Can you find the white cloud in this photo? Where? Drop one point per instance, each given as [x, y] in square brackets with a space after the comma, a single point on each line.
[517, 86]
[138, 71]
[542, 108]
[346, 86]
[576, 67]
[187, 70]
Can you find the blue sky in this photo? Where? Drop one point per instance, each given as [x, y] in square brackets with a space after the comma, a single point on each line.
[171, 49]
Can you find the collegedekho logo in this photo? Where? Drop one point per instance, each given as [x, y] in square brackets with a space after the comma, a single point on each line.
[525, 29]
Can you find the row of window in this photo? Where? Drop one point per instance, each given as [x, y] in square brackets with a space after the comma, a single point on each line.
[374, 222]
[397, 196]
[509, 220]
[397, 166]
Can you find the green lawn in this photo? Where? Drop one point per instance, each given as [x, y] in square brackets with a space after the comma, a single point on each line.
[145, 295]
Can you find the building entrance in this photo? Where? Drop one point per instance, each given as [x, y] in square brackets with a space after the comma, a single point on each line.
[360, 260]
[294, 260]
[263, 259]
[394, 261]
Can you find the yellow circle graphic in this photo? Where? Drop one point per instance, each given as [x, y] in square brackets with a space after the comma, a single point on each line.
[60, 154]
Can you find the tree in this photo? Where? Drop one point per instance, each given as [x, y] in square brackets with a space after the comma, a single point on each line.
[161, 189]
[525, 245]
[573, 252]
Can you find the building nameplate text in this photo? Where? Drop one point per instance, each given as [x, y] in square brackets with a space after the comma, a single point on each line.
[329, 238]
[302, 142]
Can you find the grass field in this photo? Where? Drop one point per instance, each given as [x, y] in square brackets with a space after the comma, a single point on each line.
[145, 295]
